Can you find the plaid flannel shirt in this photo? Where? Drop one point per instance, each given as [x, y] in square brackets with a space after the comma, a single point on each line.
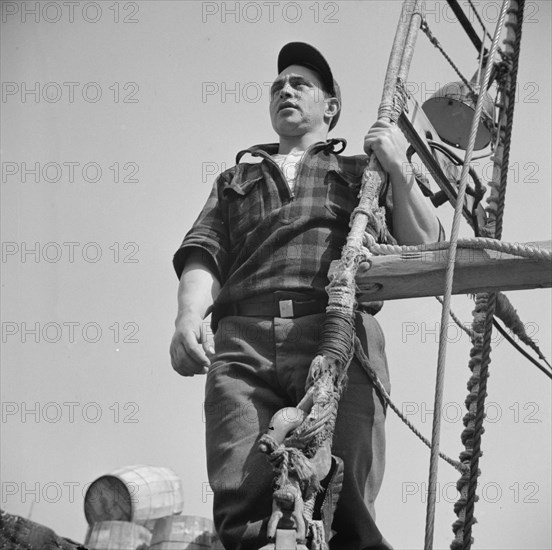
[257, 236]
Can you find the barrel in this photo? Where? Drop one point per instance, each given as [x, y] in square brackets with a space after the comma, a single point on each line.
[182, 533]
[139, 494]
[117, 535]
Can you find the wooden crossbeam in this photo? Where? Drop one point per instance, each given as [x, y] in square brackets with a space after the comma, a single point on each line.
[423, 274]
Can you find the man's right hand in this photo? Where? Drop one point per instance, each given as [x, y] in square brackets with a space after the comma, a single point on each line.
[191, 346]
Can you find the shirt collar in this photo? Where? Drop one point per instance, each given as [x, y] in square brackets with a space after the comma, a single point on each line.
[334, 145]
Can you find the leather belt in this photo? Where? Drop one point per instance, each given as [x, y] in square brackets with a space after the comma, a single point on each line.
[279, 304]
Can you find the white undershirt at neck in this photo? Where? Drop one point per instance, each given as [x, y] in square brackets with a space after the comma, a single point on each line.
[288, 165]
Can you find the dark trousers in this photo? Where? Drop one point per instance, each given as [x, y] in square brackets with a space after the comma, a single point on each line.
[261, 366]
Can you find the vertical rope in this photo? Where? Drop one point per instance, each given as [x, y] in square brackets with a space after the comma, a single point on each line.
[487, 303]
[439, 383]
[514, 28]
[478, 386]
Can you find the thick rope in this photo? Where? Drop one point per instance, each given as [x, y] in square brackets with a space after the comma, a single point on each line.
[480, 243]
[432, 483]
[480, 362]
[515, 28]
[326, 382]
[508, 315]
[506, 312]
[486, 304]
[289, 463]
[462, 526]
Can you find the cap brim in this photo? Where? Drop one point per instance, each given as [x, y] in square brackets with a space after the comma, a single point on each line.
[299, 53]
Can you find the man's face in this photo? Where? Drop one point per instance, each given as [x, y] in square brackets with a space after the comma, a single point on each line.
[297, 104]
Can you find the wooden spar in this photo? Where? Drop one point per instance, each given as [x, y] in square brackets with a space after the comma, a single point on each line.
[397, 67]
[367, 211]
[414, 275]
[385, 109]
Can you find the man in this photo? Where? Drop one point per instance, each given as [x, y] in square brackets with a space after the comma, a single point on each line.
[258, 258]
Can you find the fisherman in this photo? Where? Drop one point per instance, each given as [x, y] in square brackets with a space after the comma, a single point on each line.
[257, 258]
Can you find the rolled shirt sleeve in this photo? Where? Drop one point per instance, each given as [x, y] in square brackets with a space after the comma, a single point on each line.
[209, 235]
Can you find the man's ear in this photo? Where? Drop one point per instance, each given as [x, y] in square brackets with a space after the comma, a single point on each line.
[332, 107]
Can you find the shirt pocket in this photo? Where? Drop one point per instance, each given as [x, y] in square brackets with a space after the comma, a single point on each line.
[341, 194]
[245, 208]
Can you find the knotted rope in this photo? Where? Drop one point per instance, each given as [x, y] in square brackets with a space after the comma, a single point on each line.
[487, 303]
[439, 383]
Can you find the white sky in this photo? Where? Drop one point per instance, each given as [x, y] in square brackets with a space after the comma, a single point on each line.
[182, 90]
